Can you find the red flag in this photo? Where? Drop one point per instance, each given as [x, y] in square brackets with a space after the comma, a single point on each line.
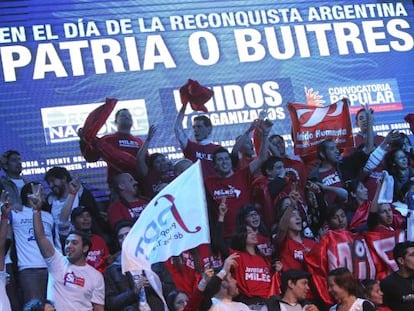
[381, 245]
[196, 94]
[313, 124]
[339, 248]
[97, 118]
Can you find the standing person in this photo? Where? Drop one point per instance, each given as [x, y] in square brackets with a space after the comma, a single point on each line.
[129, 204]
[398, 287]
[98, 254]
[344, 288]
[233, 186]
[5, 211]
[295, 286]
[75, 286]
[203, 147]
[33, 276]
[12, 182]
[65, 188]
[122, 291]
[119, 149]
[155, 172]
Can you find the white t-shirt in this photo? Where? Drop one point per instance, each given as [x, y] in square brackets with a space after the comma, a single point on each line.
[4, 299]
[227, 305]
[72, 287]
[28, 253]
[356, 306]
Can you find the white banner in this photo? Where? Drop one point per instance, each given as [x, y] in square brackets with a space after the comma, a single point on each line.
[174, 221]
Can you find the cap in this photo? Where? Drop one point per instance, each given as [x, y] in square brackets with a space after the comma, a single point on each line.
[294, 275]
[77, 211]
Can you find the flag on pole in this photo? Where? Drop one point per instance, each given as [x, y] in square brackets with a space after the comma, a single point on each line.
[313, 124]
[174, 221]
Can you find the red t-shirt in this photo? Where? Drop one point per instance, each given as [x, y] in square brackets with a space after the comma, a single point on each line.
[98, 253]
[204, 153]
[330, 178]
[118, 211]
[293, 253]
[236, 190]
[153, 182]
[253, 275]
[119, 150]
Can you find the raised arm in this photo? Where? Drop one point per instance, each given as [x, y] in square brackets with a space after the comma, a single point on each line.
[46, 247]
[5, 211]
[241, 140]
[178, 128]
[369, 140]
[142, 167]
[64, 219]
[264, 128]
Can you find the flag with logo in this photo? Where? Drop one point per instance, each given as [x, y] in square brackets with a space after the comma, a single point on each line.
[174, 221]
[313, 124]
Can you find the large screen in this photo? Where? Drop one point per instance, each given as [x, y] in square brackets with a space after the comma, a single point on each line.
[61, 59]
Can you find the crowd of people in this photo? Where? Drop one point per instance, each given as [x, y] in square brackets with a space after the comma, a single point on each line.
[328, 232]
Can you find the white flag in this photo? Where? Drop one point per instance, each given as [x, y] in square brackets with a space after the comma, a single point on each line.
[174, 221]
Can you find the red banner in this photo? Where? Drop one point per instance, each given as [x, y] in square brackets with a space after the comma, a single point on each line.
[339, 249]
[313, 124]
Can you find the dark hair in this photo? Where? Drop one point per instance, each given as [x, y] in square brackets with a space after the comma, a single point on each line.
[405, 189]
[26, 190]
[330, 213]
[238, 240]
[351, 186]
[269, 163]
[37, 304]
[153, 157]
[6, 156]
[242, 214]
[206, 120]
[58, 172]
[219, 150]
[400, 250]
[367, 286]
[345, 280]
[86, 238]
[276, 135]
[171, 298]
[122, 224]
[119, 111]
[321, 148]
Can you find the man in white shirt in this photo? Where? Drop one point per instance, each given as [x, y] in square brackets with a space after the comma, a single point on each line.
[223, 299]
[31, 266]
[73, 285]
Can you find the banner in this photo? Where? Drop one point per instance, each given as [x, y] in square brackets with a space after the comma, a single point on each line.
[339, 248]
[59, 59]
[312, 124]
[167, 225]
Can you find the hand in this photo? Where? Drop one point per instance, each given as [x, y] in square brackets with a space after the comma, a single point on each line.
[223, 207]
[5, 206]
[139, 282]
[74, 185]
[392, 136]
[313, 187]
[313, 98]
[310, 308]
[278, 266]
[151, 132]
[230, 262]
[34, 199]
